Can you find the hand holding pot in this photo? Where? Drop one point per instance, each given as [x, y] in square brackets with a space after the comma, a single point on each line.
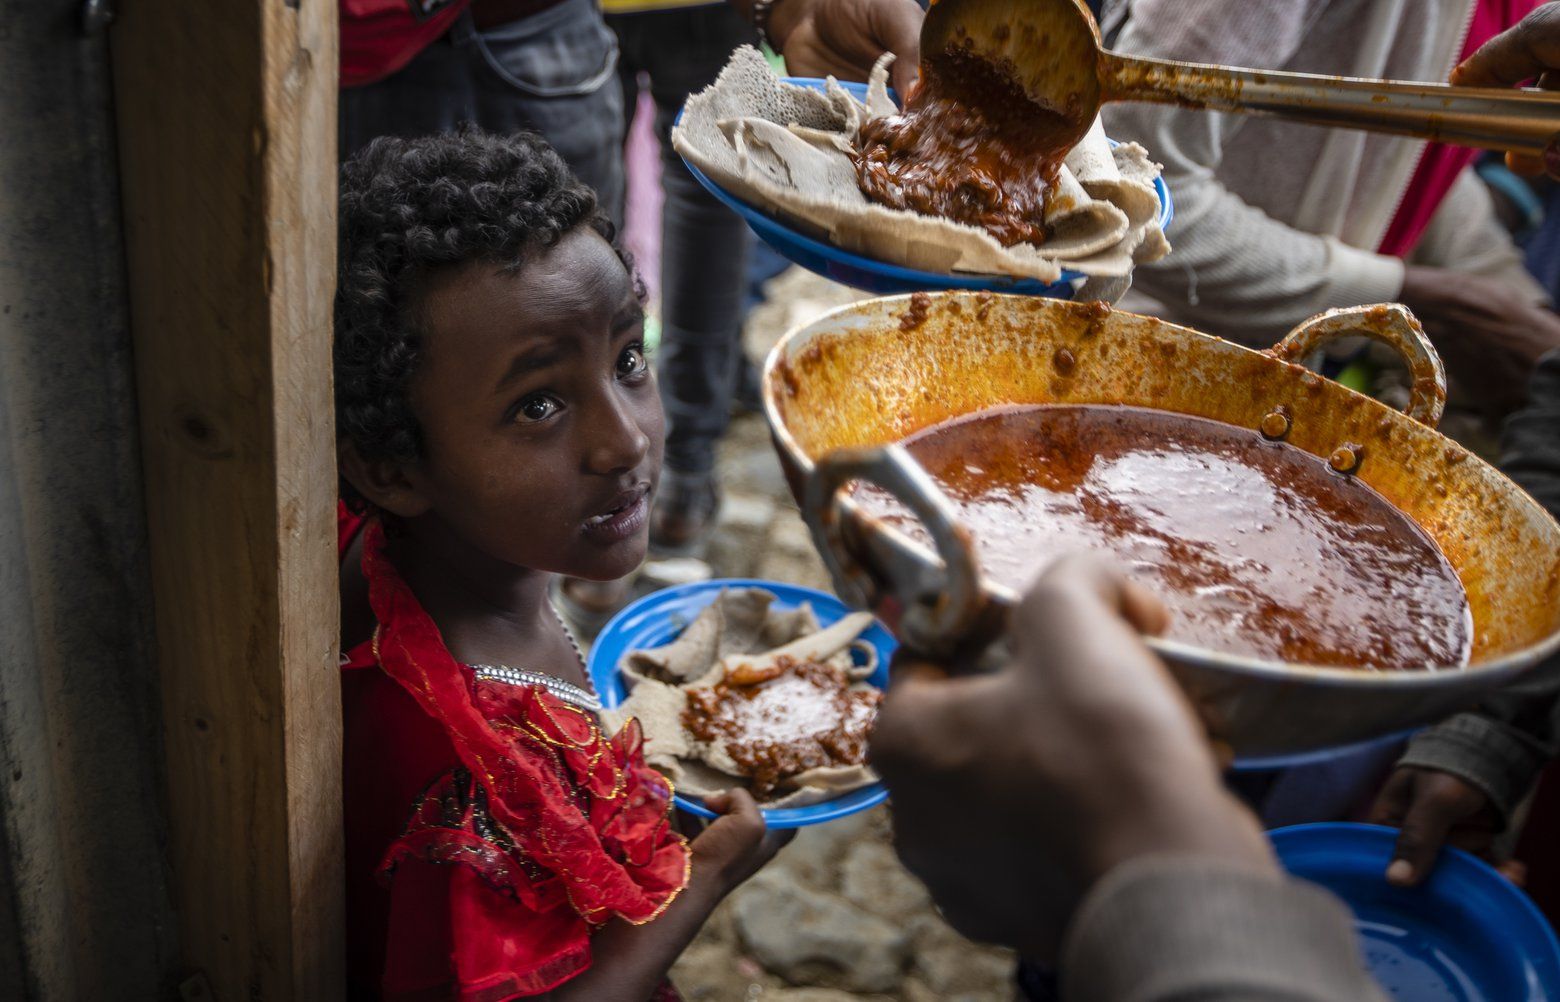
[1014, 792]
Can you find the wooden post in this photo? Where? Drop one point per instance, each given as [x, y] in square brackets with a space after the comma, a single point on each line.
[227, 138]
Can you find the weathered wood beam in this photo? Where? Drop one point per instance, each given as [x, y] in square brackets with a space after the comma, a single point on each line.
[227, 139]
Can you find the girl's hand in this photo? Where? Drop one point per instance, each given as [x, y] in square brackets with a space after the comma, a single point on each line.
[737, 844]
[629, 961]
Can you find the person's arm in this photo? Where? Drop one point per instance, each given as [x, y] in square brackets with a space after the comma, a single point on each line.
[628, 961]
[1526, 51]
[844, 38]
[1070, 803]
[1234, 270]
[1486, 317]
[1460, 781]
[451, 930]
[1485, 314]
[1202, 930]
[1466, 233]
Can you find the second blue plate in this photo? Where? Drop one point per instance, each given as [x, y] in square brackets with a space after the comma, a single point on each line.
[658, 618]
[1465, 935]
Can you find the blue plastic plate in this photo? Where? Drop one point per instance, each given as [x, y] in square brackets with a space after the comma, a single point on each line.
[879, 277]
[658, 618]
[1465, 935]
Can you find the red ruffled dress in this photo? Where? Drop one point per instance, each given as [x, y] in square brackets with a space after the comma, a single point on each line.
[490, 828]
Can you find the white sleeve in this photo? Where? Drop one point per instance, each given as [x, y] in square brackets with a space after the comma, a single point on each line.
[1234, 270]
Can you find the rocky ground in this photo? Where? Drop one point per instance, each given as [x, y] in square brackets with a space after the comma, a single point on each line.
[834, 918]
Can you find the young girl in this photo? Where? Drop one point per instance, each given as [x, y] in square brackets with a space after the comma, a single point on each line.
[498, 424]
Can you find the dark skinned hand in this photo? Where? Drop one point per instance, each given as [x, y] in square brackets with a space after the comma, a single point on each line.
[1014, 792]
[1528, 51]
[1433, 809]
[1487, 336]
[737, 844]
[843, 38]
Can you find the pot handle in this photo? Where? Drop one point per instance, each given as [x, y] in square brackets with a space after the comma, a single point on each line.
[1394, 326]
[942, 610]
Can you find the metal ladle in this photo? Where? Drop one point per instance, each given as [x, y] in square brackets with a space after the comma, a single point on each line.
[1053, 48]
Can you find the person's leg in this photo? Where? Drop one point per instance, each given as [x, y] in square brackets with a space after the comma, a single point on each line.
[703, 268]
[630, 65]
[764, 263]
[1336, 789]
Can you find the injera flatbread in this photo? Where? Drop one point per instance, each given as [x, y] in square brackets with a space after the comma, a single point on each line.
[786, 149]
[739, 621]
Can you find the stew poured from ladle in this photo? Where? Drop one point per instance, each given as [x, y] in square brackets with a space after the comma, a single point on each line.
[1256, 547]
[953, 153]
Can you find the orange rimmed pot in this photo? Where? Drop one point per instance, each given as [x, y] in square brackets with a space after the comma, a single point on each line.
[840, 391]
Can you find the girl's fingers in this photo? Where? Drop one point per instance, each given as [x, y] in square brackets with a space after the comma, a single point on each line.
[739, 802]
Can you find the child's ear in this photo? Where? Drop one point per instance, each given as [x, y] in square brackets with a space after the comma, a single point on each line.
[384, 482]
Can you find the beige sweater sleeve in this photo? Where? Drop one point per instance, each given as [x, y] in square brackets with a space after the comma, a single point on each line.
[1465, 234]
[1182, 929]
[1234, 270]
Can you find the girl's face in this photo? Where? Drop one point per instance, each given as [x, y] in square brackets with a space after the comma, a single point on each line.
[542, 429]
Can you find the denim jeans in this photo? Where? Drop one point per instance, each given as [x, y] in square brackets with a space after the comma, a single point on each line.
[554, 73]
[704, 245]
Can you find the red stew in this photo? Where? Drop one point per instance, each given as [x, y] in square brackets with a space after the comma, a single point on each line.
[806, 718]
[1257, 547]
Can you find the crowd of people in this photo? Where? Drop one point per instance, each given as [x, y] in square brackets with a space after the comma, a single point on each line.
[501, 426]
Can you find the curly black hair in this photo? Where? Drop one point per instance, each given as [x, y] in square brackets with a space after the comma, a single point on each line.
[410, 205]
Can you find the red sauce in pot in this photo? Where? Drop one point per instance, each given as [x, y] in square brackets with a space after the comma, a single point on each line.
[1256, 547]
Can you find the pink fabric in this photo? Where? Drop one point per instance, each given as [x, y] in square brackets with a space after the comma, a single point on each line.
[642, 225]
[1439, 164]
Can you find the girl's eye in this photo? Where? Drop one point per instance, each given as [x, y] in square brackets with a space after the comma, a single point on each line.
[632, 362]
[537, 408]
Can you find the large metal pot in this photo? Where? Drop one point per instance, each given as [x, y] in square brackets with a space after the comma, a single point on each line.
[850, 384]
